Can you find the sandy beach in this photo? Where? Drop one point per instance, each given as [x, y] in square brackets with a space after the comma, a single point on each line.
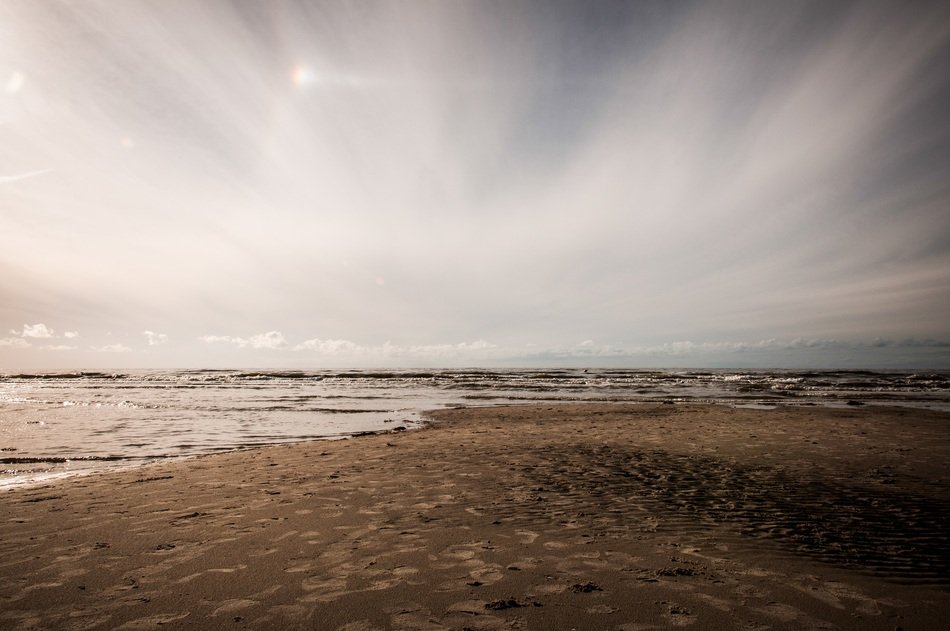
[626, 517]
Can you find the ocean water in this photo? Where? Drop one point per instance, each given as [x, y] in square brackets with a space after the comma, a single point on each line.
[67, 423]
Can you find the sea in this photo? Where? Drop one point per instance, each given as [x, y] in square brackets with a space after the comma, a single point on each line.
[69, 423]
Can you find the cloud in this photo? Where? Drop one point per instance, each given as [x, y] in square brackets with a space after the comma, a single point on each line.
[331, 347]
[39, 330]
[273, 340]
[6, 179]
[529, 174]
[14, 342]
[346, 348]
[112, 348]
[687, 348]
[448, 350]
[215, 339]
[155, 339]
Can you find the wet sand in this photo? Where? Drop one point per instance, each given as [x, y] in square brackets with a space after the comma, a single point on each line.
[547, 517]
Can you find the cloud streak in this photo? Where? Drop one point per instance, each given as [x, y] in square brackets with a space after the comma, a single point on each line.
[14, 342]
[273, 340]
[689, 348]
[112, 348]
[526, 173]
[479, 349]
[6, 179]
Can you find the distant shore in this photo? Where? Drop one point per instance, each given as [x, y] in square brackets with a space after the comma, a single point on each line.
[592, 516]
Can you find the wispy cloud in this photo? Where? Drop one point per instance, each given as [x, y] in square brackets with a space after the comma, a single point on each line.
[38, 330]
[346, 348]
[687, 346]
[6, 179]
[736, 352]
[58, 347]
[112, 348]
[224, 339]
[332, 347]
[14, 342]
[273, 340]
[155, 339]
[529, 173]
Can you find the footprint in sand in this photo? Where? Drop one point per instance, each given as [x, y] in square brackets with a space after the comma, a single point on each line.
[235, 604]
[152, 621]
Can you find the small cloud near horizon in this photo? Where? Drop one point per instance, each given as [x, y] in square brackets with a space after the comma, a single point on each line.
[38, 330]
[14, 342]
[348, 348]
[273, 340]
[155, 339]
[111, 348]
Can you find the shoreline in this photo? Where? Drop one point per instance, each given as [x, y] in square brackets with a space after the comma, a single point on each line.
[12, 478]
[524, 516]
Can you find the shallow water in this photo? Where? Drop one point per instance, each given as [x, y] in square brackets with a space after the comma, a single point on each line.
[66, 423]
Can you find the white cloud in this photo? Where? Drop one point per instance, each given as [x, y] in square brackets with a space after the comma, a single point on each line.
[701, 172]
[155, 339]
[227, 339]
[331, 347]
[58, 347]
[685, 352]
[4, 179]
[14, 342]
[448, 350]
[271, 340]
[683, 348]
[39, 330]
[112, 348]
[346, 348]
[69, 335]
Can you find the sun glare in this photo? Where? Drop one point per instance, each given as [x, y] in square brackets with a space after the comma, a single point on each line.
[14, 83]
[302, 75]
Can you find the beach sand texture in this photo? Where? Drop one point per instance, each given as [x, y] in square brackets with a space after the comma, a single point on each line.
[626, 517]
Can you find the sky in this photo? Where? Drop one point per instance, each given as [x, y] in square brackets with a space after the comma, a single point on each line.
[408, 183]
